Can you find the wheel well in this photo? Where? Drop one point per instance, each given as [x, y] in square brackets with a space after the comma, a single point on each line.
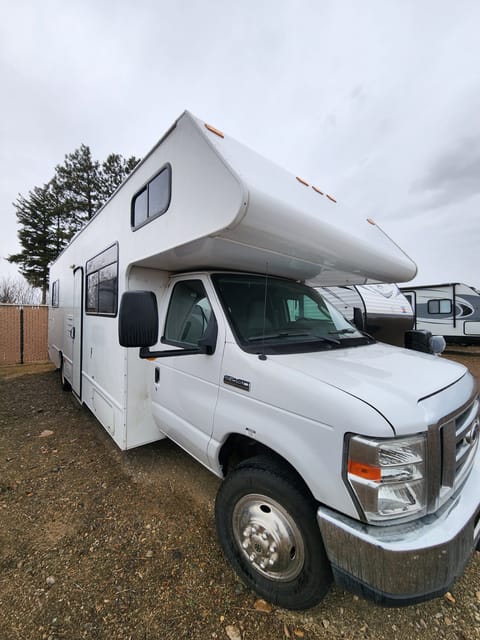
[238, 448]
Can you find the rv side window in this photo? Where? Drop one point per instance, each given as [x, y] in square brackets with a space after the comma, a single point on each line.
[188, 314]
[55, 298]
[153, 200]
[102, 283]
[436, 307]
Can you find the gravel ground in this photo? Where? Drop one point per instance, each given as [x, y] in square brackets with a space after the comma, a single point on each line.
[101, 544]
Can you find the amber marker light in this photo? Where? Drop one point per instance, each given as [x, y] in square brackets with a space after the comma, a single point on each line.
[366, 471]
[331, 198]
[302, 181]
[217, 132]
[370, 221]
[317, 190]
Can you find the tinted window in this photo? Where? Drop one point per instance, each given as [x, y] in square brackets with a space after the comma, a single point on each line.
[159, 194]
[188, 314]
[55, 293]
[140, 208]
[439, 306]
[153, 200]
[281, 315]
[92, 292]
[102, 282]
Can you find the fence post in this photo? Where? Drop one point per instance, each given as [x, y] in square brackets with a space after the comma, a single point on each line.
[22, 337]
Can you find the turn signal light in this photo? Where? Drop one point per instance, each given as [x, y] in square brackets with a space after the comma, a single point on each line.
[367, 471]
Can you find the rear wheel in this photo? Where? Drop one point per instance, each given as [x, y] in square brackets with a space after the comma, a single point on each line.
[267, 527]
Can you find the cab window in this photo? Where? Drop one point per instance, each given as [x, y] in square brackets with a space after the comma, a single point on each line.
[188, 314]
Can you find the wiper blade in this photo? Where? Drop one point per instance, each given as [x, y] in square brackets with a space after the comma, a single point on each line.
[280, 334]
[294, 334]
[341, 332]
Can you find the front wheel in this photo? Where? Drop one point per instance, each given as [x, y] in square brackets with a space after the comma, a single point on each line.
[267, 528]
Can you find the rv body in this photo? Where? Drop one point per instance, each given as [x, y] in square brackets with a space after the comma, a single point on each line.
[339, 455]
[451, 310]
[385, 312]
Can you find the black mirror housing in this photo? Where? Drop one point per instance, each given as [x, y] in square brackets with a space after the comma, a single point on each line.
[358, 319]
[138, 319]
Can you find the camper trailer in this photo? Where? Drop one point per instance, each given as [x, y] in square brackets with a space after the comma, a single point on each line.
[181, 311]
[382, 309]
[451, 310]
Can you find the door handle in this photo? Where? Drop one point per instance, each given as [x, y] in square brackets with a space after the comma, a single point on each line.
[72, 333]
[157, 375]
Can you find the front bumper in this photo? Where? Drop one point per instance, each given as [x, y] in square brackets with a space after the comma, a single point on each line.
[406, 563]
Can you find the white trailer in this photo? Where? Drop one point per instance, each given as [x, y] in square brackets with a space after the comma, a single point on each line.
[383, 311]
[451, 310]
[323, 438]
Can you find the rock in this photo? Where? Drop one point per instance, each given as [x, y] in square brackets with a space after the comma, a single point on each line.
[149, 553]
[448, 621]
[286, 631]
[50, 581]
[46, 433]
[448, 596]
[298, 633]
[233, 632]
[262, 605]
[326, 623]
[477, 595]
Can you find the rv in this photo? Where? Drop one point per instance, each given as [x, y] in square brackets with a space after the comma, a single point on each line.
[380, 309]
[181, 311]
[451, 310]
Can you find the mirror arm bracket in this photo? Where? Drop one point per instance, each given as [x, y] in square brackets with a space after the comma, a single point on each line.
[145, 353]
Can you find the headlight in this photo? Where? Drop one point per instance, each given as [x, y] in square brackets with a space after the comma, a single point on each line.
[388, 477]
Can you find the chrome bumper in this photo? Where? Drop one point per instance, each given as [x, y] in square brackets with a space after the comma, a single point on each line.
[408, 563]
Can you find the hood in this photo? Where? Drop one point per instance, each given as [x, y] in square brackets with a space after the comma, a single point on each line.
[389, 379]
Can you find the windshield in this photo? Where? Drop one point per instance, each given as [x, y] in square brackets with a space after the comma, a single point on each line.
[273, 315]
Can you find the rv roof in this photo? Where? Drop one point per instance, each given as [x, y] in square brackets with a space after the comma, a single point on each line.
[232, 208]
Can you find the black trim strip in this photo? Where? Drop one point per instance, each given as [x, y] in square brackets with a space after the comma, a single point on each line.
[237, 382]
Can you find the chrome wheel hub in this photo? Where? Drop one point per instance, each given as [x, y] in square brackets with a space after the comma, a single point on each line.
[268, 537]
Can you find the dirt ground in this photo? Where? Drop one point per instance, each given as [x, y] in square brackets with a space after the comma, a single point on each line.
[101, 544]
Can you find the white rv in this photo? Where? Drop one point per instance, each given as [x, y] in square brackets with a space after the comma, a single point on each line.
[340, 457]
[384, 312]
[451, 310]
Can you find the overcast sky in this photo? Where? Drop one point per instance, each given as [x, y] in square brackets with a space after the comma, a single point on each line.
[376, 101]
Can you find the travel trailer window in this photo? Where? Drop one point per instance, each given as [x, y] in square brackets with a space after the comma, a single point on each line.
[102, 283]
[439, 306]
[188, 314]
[55, 298]
[153, 199]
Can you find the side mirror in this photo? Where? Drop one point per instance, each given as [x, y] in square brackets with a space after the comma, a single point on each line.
[208, 343]
[138, 319]
[358, 319]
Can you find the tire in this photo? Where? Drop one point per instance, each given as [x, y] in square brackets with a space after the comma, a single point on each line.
[267, 527]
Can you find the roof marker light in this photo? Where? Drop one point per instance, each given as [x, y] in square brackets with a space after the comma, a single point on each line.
[331, 198]
[215, 131]
[369, 220]
[303, 181]
[318, 190]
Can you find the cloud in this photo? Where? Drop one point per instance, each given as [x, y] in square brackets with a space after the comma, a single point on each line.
[454, 176]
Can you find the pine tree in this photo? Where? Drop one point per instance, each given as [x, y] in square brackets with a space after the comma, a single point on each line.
[39, 238]
[50, 215]
[113, 172]
[78, 180]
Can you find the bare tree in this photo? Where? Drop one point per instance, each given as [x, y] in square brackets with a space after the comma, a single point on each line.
[18, 291]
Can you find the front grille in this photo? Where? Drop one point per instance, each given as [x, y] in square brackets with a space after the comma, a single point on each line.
[457, 442]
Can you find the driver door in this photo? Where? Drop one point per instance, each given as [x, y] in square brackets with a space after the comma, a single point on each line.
[185, 388]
